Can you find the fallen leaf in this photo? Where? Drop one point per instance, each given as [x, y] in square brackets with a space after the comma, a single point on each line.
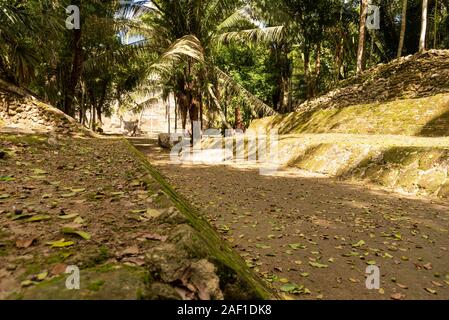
[41, 276]
[430, 290]
[27, 283]
[358, 244]
[60, 243]
[131, 251]
[58, 269]
[78, 220]
[397, 296]
[402, 286]
[291, 288]
[24, 242]
[428, 266]
[317, 264]
[68, 216]
[39, 171]
[297, 246]
[134, 261]
[262, 246]
[82, 234]
[20, 216]
[39, 217]
[436, 283]
[68, 195]
[154, 236]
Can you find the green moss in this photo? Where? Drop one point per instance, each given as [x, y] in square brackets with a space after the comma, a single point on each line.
[431, 181]
[58, 257]
[427, 116]
[444, 191]
[97, 257]
[28, 139]
[105, 268]
[32, 268]
[96, 285]
[428, 159]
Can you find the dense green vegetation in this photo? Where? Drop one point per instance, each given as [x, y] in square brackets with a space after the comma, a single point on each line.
[225, 61]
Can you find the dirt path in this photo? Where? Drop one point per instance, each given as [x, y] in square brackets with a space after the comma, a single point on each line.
[315, 236]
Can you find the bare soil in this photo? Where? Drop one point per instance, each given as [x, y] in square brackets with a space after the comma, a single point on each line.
[312, 237]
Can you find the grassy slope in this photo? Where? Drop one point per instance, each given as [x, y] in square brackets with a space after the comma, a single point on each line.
[427, 116]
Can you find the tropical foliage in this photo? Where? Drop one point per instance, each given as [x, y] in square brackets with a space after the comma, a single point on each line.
[225, 61]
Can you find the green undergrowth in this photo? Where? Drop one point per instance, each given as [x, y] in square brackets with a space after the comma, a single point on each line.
[28, 139]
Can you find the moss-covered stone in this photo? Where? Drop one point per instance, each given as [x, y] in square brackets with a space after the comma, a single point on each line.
[428, 159]
[432, 180]
[123, 283]
[444, 191]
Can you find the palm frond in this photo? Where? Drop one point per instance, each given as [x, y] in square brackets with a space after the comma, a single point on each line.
[257, 35]
[234, 19]
[255, 104]
[187, 46]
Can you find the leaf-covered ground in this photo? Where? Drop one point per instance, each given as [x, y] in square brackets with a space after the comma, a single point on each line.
[73, 202]
[93, 203]
[313, 237]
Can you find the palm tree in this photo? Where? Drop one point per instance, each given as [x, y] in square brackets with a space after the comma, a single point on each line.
[422, 38]
[186, 34]
[19, 22]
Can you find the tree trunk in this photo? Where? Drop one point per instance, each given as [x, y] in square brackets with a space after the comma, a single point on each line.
[75, 73]
[183, 107]
[100, 105]
[403, 26]
[339, 58]
[340, 47]
[193, 113]
[201, 110]
[94, 121]
[362, 36]
[422, 38]
[99, 111]
[306, 69]
[317, 70]
[168, 114]
[238, 119]
[176, 113]
[435, 26]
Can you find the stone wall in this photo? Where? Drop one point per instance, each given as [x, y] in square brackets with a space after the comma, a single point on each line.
[22, 111]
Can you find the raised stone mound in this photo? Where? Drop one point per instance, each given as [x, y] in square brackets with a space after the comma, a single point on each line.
[21, 111]
[415, 76]
[409, 96]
